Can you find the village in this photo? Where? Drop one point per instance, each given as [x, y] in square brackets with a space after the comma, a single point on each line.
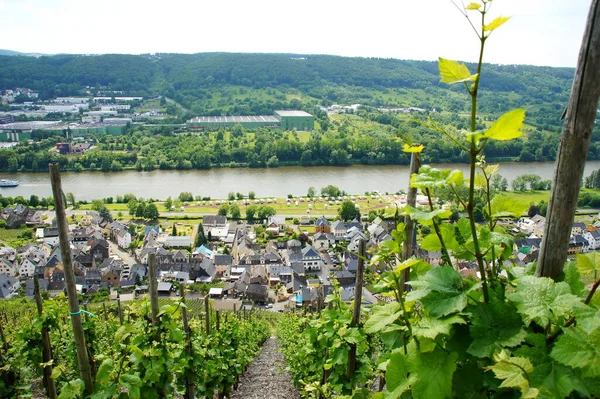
[266, 264]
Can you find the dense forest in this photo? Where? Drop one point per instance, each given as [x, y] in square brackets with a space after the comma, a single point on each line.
[252, 84]
[231, 83]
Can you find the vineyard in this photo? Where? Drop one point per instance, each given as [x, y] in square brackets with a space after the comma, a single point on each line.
[129, 355]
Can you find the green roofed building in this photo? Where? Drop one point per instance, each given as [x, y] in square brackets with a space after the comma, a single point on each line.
[286, 120]
[295, 120]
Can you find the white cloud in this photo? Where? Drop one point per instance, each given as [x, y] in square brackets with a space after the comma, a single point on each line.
[539, 32]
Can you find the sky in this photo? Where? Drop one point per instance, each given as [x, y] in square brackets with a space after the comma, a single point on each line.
[539, 32]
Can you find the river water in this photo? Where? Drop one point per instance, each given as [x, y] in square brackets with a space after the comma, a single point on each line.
[268, 182]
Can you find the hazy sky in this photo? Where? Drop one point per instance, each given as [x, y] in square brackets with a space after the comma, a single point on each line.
[540, 32]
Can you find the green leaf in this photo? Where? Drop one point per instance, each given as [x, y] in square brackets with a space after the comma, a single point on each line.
[588, 263]
[578, 349]
[473, 6]
[412, 148]
[72, 390]
[104, 370]
[429, 177]
[382, 316]
[454, 72]
[432, 242]
[496, 23]
[441, 291]
[572, 277]
[507, 127]
[132, 383]
[434, 372]
[396, 371]
[542, 300]
[588, 318]
[503, 206]
[556, 381]
[494, 326]
[420, 215]
[513, 373]
[431, 327]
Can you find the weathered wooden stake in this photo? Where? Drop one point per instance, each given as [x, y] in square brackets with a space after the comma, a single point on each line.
[189, 382]
[120, 311]
[574, 145]
[357, 302]
[207, 312]
[409, 224]
[46, 347]
[65, 249]
[218, 325]
[105, 312]
[153, 287]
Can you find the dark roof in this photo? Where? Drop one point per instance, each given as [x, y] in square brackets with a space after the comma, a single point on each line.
[6, 283]
[223, 259]
[213, 220]
[322, 221]
[256, 290]
[29, 287]
[528, 242]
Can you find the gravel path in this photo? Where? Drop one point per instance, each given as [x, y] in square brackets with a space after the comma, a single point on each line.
[266, 377]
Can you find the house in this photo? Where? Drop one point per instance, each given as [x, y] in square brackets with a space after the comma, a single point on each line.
[339, 228]
[280, 273]
[8, 268]
[99, 250]
[257, 293]
[34, 218]
[344, 277]
[178, 242]
[593, 238]
[578, 228]
[323, 240]
[92, 277]
[123, 238]
[322, 225]
[223, 265]
[8, 285]
[214, 221]
[578, 245]
[311, 259]
[309, 297]
[29, 287]
[164, 288]
[275, 225]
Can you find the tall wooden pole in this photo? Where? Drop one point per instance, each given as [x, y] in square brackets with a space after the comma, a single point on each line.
[65, 249]
[189, 382]
[357, 302]
[47, 349]
[207, 312]
[574, 146]
[409, 224]
[153, 287]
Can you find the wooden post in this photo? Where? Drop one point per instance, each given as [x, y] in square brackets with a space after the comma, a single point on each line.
[105, 312]
[207, 313]
[65, 249]
[409, 224]
[4, 341]
[47, 349]
[189, 382]
[357, 301]
[120, 311]
[153, 287]
[218, 325]
[574, 145]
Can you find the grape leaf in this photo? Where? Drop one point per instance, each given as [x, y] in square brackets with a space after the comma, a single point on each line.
[454, 72]
[495, 325]
[432, 242]
[418, 214]
[412, 148]
[503, 206]
[572, 277]
[473, 6]
[588, 263]
[507, 127]
[434, 372]
[496, 23]
[578, 349]
[429, 177]
[441, 291]
[513, 372]
[431, 327]
[382, 316]
[541, 300]
[104, 370]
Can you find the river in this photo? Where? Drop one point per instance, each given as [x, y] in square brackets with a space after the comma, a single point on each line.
[268, 182]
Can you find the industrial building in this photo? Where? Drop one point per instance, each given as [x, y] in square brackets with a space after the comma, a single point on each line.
[286, 120]
[20, 131]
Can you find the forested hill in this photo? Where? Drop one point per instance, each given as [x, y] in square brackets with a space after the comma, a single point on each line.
[193, 79]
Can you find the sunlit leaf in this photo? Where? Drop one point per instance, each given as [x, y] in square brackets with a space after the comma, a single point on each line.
[578, 349]
[429, 177]
[504, 206]
[382, 316]
[412, 148]
[496, 23]
[588, 263]
[454, 72]
[513, 371]
[491, 169]
[507, 127]
[418, 214]
[473, 6]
